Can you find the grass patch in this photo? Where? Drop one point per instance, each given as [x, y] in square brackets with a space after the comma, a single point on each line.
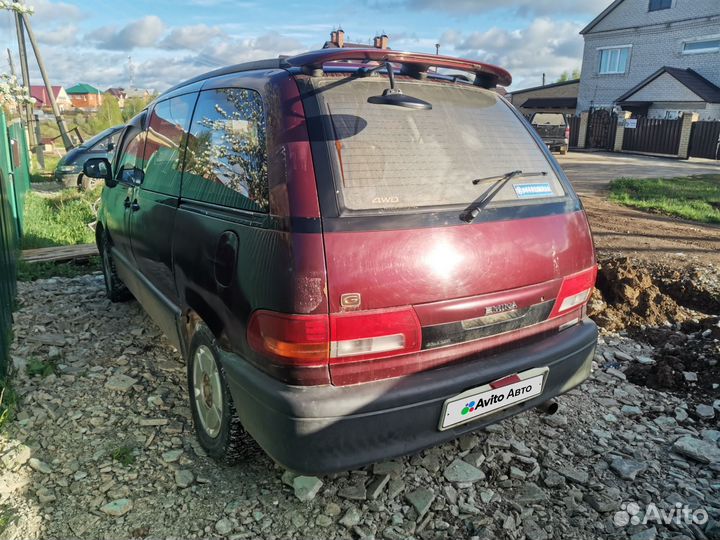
[48, 173]
[37, 367]
[59, 219]
[123, 455]
[8, 402]
[7, 516]
[696, 198]
[28, 271]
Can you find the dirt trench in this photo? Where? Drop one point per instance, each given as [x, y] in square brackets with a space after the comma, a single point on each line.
[676, 311]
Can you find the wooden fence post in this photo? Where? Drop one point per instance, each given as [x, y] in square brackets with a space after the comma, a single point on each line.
[582, 130]
[620, 130]
[688, 119]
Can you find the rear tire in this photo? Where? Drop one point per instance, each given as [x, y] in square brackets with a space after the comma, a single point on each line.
[114, 287]
[563, 150]
[217, 426]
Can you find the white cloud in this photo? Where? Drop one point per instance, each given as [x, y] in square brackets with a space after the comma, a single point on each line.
[62, 35]
[520, 7]
[545, 46]
[143, 32]
[47, 11]
[190, 37]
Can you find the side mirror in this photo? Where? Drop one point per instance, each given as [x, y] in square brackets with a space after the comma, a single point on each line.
[110, 146]
[99, 168]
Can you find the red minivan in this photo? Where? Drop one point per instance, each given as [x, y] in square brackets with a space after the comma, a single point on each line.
[361, 253]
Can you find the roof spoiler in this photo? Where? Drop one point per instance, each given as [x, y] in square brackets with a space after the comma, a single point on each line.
[412, 64]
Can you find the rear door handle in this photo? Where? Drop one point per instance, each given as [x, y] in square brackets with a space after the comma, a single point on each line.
[135, 206]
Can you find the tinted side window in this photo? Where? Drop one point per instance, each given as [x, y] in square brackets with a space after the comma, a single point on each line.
[226, 161]
[132, 156]
[165, 139]
[102, 144]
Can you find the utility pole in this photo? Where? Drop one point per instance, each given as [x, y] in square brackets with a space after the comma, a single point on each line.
[12, 72]
[56, 111]
[25, 75]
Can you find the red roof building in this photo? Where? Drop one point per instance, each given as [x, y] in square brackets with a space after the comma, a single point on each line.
[42, 100]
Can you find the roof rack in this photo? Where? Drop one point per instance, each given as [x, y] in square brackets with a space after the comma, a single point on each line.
[412, 64]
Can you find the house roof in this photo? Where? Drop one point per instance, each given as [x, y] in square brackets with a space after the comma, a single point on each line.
[82, 88]
[117, 92]
[690, 78]
[541, 87]
[600, 17]
[39, 92]
[550, 103]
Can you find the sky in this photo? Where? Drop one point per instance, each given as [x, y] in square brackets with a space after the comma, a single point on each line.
[162, 42]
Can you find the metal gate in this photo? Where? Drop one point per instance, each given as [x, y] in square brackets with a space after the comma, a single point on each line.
[574, 123]
[705, 140]
[654, 136]
[602, 125]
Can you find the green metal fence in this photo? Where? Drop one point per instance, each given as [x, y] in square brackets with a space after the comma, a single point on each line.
[21, 172]
[14, 184]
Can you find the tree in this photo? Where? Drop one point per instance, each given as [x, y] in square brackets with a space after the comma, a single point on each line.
[565, 76]
[133, 106]
[107, 115]
[12, 95]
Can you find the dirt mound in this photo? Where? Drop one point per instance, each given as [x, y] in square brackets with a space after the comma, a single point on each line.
[686, 360]
[628, 296]
[696, 288]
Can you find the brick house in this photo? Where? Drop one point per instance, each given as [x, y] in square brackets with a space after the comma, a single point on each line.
[337, 41]
[85, 96]
[655, 58]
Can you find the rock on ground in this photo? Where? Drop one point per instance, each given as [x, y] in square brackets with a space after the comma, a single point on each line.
[104, 448]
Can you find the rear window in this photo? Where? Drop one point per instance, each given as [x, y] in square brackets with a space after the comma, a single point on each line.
[394, 158]
[548, 119]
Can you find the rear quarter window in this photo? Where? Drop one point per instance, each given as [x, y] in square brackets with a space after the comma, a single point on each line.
[226, 156]
[393, 158]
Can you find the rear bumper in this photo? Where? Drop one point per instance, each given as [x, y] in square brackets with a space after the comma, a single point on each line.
[322, 429]
[555, 143]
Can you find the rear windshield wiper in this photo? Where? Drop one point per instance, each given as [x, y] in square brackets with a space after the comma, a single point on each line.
[475, 207]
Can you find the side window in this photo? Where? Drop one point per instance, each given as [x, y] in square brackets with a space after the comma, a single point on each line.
[130, 162]
[165, 140]
[226, 161]
[102, 144]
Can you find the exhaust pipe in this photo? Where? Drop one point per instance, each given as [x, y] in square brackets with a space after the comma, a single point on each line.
[549, 407]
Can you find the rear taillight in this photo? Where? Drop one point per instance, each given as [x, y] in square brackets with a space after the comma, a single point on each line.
[314, 340]
[567, 133]
[374, 334]
[300, 340]
[575, 291]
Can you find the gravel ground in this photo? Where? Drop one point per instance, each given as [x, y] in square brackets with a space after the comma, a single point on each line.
[103, 448]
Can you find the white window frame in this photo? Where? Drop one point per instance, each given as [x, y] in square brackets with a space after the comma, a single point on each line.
[701, 39]
[627, 65]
